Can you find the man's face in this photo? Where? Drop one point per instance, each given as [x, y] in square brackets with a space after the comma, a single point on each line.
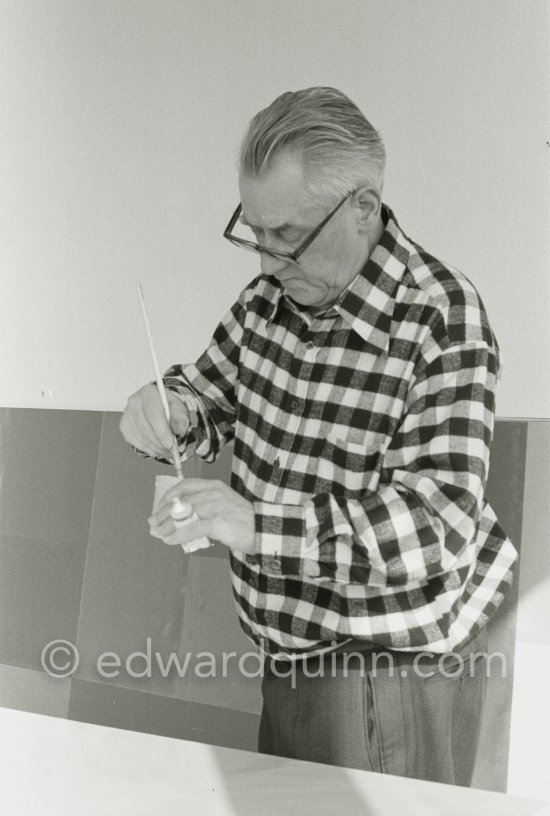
[277, 209]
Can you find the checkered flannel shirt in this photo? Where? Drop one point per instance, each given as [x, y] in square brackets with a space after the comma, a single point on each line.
[361, 436]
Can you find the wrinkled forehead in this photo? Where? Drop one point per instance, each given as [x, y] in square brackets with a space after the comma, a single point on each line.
[278, 196]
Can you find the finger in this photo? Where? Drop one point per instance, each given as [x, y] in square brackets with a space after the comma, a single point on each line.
[147, 410]
[189, 489]
[160, 515]
[160, 435]
[164, 511]
[154, 424]
[179, 415]
[172, 534]
[135, 436]
[188, 486]
[163, 529]
[144, 440]
[131, 434]
[137, 430]
[191, 531]
[163, 523]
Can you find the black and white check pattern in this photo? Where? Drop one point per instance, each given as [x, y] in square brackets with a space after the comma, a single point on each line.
[361, 435]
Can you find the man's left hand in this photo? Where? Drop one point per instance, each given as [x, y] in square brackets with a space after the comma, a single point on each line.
[223, 515]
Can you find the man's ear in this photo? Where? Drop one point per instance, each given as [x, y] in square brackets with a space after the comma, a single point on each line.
[368, 204]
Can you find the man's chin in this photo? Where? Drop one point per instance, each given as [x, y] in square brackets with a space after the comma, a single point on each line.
[298, 294]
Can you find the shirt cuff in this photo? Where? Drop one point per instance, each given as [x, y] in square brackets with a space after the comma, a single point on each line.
[281, 541]
[195, 442]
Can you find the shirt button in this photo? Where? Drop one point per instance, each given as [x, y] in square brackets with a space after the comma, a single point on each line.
[310, 345]
[296, 405]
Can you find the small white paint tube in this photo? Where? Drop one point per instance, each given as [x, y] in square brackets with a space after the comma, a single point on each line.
[182, 513]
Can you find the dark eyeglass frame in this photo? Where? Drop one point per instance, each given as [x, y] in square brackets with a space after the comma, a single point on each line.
[252, 246]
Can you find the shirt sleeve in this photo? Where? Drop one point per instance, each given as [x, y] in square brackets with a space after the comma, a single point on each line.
[208, 388]
[426, 510]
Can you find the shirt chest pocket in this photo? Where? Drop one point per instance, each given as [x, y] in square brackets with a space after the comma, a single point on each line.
[348, 467]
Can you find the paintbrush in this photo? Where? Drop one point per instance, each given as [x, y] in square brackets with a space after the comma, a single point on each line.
[160, 383]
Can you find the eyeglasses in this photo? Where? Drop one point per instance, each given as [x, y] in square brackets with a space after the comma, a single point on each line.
[251, 246]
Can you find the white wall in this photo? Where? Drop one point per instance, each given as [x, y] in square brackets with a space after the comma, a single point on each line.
[119, 127]
[120, 123]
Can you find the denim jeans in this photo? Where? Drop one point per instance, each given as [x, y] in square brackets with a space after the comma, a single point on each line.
[379, 710]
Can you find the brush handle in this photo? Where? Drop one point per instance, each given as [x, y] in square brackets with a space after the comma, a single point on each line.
[160, 383]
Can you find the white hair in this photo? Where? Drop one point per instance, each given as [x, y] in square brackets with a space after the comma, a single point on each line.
[340, 149]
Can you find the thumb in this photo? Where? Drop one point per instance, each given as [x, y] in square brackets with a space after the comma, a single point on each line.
[179, 415]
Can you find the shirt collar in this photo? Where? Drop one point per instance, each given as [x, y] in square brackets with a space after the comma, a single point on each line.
[367, 303]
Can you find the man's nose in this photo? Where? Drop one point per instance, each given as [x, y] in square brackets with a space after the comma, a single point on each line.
[271, 265]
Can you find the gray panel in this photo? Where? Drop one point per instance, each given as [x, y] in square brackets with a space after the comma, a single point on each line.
[212, 635]
[506, 481]
[40, 592]
[534, 611]
[48, 460]
[154, 714]
[505, 491]
[135, 585]
[27, 690]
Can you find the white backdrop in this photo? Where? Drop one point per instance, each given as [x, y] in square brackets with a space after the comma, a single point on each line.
[120, 125]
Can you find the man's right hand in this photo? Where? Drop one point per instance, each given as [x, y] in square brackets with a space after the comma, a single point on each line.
[144, 424]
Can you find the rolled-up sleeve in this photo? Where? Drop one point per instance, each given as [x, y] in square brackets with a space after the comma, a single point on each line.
[208, 388]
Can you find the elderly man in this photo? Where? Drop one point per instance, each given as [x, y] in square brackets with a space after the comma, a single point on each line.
[356, 375]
